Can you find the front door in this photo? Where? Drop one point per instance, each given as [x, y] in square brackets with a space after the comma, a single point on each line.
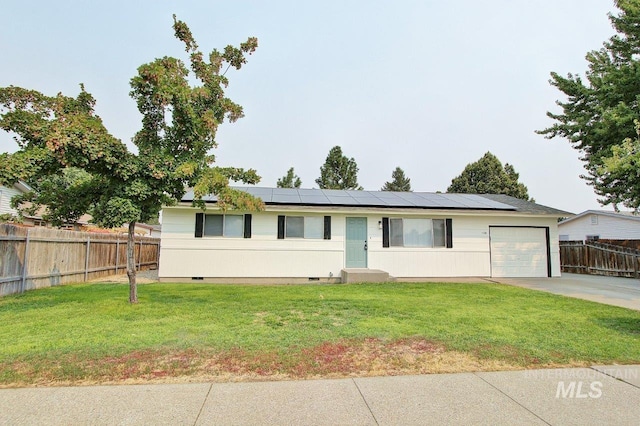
[356, 242]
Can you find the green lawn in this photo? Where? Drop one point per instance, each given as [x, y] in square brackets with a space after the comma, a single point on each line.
[90, 333]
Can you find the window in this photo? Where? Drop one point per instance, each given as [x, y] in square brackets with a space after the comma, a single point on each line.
[294, 227]
[594, 219]
[417, 233]
[313, 227]
[303, 227]
[218, 225]
[307, 227]
[592, 237]
[223, 225]
[439, 233]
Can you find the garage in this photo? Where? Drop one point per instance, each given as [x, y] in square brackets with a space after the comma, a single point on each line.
[519, 251]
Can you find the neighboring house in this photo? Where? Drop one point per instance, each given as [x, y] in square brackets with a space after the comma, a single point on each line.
[6, 193]
[156, 232]
[313, 234]
[141, 229]
[36, 220]
[600, 225]
[146, 230]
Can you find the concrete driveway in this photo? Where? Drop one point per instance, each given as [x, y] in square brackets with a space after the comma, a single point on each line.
[624, 292]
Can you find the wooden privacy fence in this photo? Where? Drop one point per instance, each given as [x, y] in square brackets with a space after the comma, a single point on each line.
[33, 258]
[598, 258]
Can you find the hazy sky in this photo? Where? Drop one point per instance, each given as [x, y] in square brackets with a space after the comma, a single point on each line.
[429, 86]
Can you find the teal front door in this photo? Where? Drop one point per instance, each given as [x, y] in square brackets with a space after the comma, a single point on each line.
[356, 242]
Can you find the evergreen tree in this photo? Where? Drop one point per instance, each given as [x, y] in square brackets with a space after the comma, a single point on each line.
[488, 176]
[399, 182]
[600, 114]
[338, 171]
[290, 180]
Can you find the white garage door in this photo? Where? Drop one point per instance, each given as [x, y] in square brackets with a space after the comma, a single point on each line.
[518, 252]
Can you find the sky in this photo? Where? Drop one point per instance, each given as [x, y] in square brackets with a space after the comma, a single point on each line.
[429, 86]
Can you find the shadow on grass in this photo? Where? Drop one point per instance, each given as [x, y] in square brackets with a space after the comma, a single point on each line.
[624, 325]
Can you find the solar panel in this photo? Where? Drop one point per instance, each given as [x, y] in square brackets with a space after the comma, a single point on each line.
[284, 191]
[259, 191]
[286, 198]
[314, 199]
[305, 192]
[360, 194]
[340, 201]
[327, 197]
[335, 192]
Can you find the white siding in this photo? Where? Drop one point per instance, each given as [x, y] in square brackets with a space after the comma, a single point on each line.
[470, 255]
[264, 256]
[5, 199]
[607, 227]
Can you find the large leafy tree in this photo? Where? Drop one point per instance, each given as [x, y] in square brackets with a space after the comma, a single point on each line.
[399, 182]
[116, 186]
[488, 176]
[290, 180]
[600, 112]
[338, 171]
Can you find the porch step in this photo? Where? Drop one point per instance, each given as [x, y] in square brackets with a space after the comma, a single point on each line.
[364, 275]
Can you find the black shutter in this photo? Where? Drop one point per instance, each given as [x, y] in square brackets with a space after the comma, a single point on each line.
[199, 224]
[247, 226]
[449, 232]
[385, 232]
[327, 227]
[281, 227]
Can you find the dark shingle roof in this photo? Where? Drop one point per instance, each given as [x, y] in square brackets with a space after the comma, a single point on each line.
[387, 199]
[525, 206]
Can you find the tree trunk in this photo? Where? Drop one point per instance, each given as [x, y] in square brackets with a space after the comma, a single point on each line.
[131, 263]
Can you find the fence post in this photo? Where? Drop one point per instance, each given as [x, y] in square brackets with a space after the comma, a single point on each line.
[158, 254]
[23, 284]
[86, 260]
[140, 256]
[117, 253]
[586, 258]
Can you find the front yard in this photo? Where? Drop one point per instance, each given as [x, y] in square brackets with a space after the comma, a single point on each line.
[83, 334]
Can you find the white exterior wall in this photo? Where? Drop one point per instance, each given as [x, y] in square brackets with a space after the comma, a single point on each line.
[5, 200]
[264, 256]
[608, 227]
[470, 255]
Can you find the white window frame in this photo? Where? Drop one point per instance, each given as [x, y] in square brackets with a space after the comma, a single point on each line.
[305, 229]
[393, 220]
[224, 226]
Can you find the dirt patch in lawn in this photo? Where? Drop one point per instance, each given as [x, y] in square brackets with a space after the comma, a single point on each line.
[370, 357]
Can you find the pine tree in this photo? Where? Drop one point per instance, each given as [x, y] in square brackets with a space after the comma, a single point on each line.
[488, 176]
[600, 115]
[290, 180]
[399, 182]
[338, 171]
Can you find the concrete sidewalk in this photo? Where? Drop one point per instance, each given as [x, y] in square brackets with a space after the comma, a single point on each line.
[589, 396]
